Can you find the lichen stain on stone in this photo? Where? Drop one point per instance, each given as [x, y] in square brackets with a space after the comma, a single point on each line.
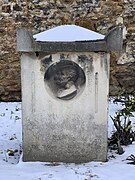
[86, 62]
[65, 56]
[45, 62]
[104, 63]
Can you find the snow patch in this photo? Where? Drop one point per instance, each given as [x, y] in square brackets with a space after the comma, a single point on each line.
[68, 33]
[10, 138]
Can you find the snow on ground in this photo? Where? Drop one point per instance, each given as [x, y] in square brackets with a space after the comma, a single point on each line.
[12, 168]
[68, 33]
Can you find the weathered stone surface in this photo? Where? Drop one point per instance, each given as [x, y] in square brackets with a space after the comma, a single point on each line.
[113, 41]
[38, 15]
[66, 131]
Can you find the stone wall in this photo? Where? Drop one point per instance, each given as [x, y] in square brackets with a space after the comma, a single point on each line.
[39, 15]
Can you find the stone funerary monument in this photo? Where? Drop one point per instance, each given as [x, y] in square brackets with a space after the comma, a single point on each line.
[65, 79]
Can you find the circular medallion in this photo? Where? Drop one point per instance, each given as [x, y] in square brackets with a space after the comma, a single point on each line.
[65, 79]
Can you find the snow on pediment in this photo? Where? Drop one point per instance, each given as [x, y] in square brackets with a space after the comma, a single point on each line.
[68, 33]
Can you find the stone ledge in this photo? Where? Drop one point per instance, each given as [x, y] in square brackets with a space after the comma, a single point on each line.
[112, 42]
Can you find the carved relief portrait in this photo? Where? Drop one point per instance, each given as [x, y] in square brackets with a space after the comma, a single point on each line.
[65, 79]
